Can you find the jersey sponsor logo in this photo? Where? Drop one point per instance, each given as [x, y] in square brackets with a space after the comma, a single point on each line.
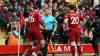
[75, 20]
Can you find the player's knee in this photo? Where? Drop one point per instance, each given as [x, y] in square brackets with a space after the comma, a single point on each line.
[72, 43]
[43, 42]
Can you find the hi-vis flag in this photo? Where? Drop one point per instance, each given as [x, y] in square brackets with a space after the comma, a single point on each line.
[73, 2]
[50, 47]
[70, 0]
[76, 4]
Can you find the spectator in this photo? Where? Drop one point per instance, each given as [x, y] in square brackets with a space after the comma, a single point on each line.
[1, 12]
[83, 12]
[80, 5]
[45, 7]
[27, 11]
[58, 2]
[92, 14]
[10, 9]
[14, 17]
[3, 21]
[12, 37]
[59, 18]
[60, 9]
[27, 2]
[38, 3]
[6, 14]
[6, 3]
[23, 4]
[15, 6]
[13, 1]
[42, 2]
[97, 9]
[54, 9]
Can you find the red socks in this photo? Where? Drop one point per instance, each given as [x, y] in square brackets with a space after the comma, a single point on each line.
[79, 50]
[73, 50]
[29, 50]
[38, 47]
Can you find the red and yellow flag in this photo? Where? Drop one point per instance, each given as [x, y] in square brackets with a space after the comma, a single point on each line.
[50, 47]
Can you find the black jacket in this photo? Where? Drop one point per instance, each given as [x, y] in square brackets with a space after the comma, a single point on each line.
[96, 25]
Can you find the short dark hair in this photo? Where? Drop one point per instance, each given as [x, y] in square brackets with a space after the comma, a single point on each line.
[71, 6]
[35, 7]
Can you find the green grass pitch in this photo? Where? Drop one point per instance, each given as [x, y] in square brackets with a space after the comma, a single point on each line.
[87, 54]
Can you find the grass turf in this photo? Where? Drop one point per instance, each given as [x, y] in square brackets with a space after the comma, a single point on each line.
[86, 54]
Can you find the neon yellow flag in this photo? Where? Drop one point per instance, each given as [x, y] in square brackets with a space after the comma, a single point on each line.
[73, 1]
[70, 0]
[76, 4]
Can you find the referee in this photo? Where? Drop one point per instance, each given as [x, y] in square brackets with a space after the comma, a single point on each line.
[96, 35]
[51, 25]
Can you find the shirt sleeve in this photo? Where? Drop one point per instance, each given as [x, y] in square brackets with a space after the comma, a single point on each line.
[39, 19]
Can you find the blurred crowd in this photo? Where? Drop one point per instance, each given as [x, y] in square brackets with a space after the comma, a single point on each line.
[18, 11]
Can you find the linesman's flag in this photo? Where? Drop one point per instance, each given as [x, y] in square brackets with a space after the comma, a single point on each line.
[50, 47]
[73, 1]
[76, 4]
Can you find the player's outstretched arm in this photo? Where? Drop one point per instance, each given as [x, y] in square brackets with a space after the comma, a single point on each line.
[40, 21]
[66, 24]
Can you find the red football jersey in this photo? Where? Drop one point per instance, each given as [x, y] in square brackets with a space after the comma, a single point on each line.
[73, 19]
[35, 19]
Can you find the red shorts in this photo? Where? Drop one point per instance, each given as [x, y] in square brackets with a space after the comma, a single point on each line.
[74, 35]
[35, 35]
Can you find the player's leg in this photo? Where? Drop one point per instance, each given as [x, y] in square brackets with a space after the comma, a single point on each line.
[31, 39]
[95, 42]
[71, 38]
[73, 49]
[38, 47]
[47, 36]
[30, 44]
[79, 49]
[78, 42]
[39, 37]
[25, 53]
